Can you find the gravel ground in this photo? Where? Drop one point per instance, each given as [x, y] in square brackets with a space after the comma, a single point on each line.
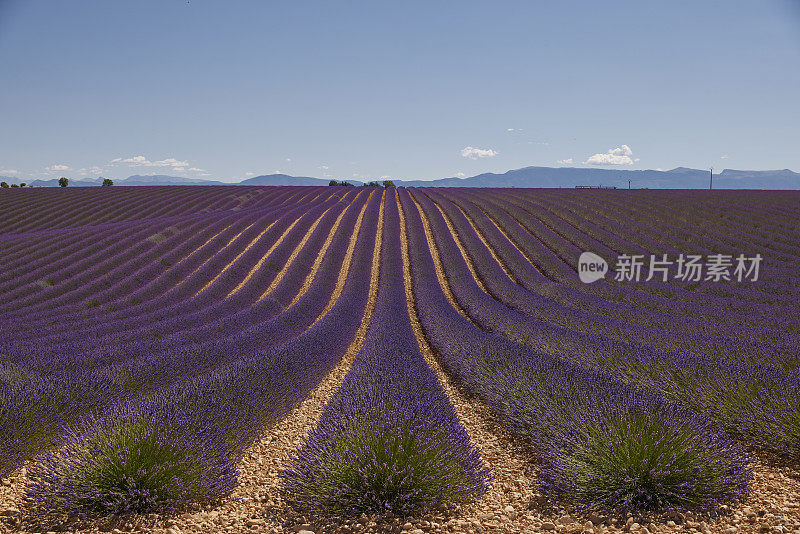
[512, 504]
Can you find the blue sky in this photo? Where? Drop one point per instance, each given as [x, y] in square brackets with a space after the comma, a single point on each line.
[411, 89]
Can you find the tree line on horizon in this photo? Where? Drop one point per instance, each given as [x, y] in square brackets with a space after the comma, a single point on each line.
[385, 183]
[62, 182]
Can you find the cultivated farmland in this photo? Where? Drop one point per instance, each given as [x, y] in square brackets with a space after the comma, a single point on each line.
[256, 358]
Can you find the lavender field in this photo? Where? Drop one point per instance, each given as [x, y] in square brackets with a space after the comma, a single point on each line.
[155, 341]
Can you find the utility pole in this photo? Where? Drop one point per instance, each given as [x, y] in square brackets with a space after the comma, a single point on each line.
[711, 179]
[629, 183]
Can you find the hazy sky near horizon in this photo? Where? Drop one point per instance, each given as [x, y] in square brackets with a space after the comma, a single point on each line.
[412, 89]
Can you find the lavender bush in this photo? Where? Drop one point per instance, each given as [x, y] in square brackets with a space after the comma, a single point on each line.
[551, 402]
[389, 440]
[755, 402]
[651, 457]
[132, 460]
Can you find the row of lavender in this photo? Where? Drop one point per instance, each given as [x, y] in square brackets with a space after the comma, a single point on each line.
[78, 253]
[178, 311]
[539, 300]
[723, 377]
[228, 359]
[238, 388]
[181, 444]
[389, 439]
[47, 385]
[51, 279]
[651, 325]
[91, 207]
[557, 245]
[604, 444]
[141, 285]
[32, 338]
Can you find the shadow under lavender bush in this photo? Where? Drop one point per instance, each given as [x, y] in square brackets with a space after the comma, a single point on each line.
[132, 461]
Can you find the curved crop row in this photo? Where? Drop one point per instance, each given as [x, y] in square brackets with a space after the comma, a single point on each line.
[389, 439]
[760, 404]
[562, 408]
[150, 335]
[144, 370]
[227, 409]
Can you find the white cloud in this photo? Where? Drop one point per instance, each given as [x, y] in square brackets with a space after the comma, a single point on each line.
[513, 129]
[9, 172]
[249, 173]
[614, 156]
[460, 174]
[94, 169]
[472, 152]
[724, 157]
[567, 161]
[169, 162]
[288, 160]
[622, 150]
[141, 161]
[387, 177]
[58, 167]
[323, 167]
[172, 164]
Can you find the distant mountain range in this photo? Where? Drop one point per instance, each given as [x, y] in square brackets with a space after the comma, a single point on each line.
[569, 177]
[162, 179]
[285, 179]
[679, 178]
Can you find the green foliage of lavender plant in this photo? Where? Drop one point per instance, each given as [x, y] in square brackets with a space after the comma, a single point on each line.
[389, 440]
[30, 416]
[633, 461]
[770, 418]
[374, 469]
[131, 463]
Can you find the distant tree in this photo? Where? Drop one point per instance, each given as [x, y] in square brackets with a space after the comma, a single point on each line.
[23, 184]
[3, 184]
[107, 182]
[63, 181]
[14, 185]
[388, 183]
[333, 182]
